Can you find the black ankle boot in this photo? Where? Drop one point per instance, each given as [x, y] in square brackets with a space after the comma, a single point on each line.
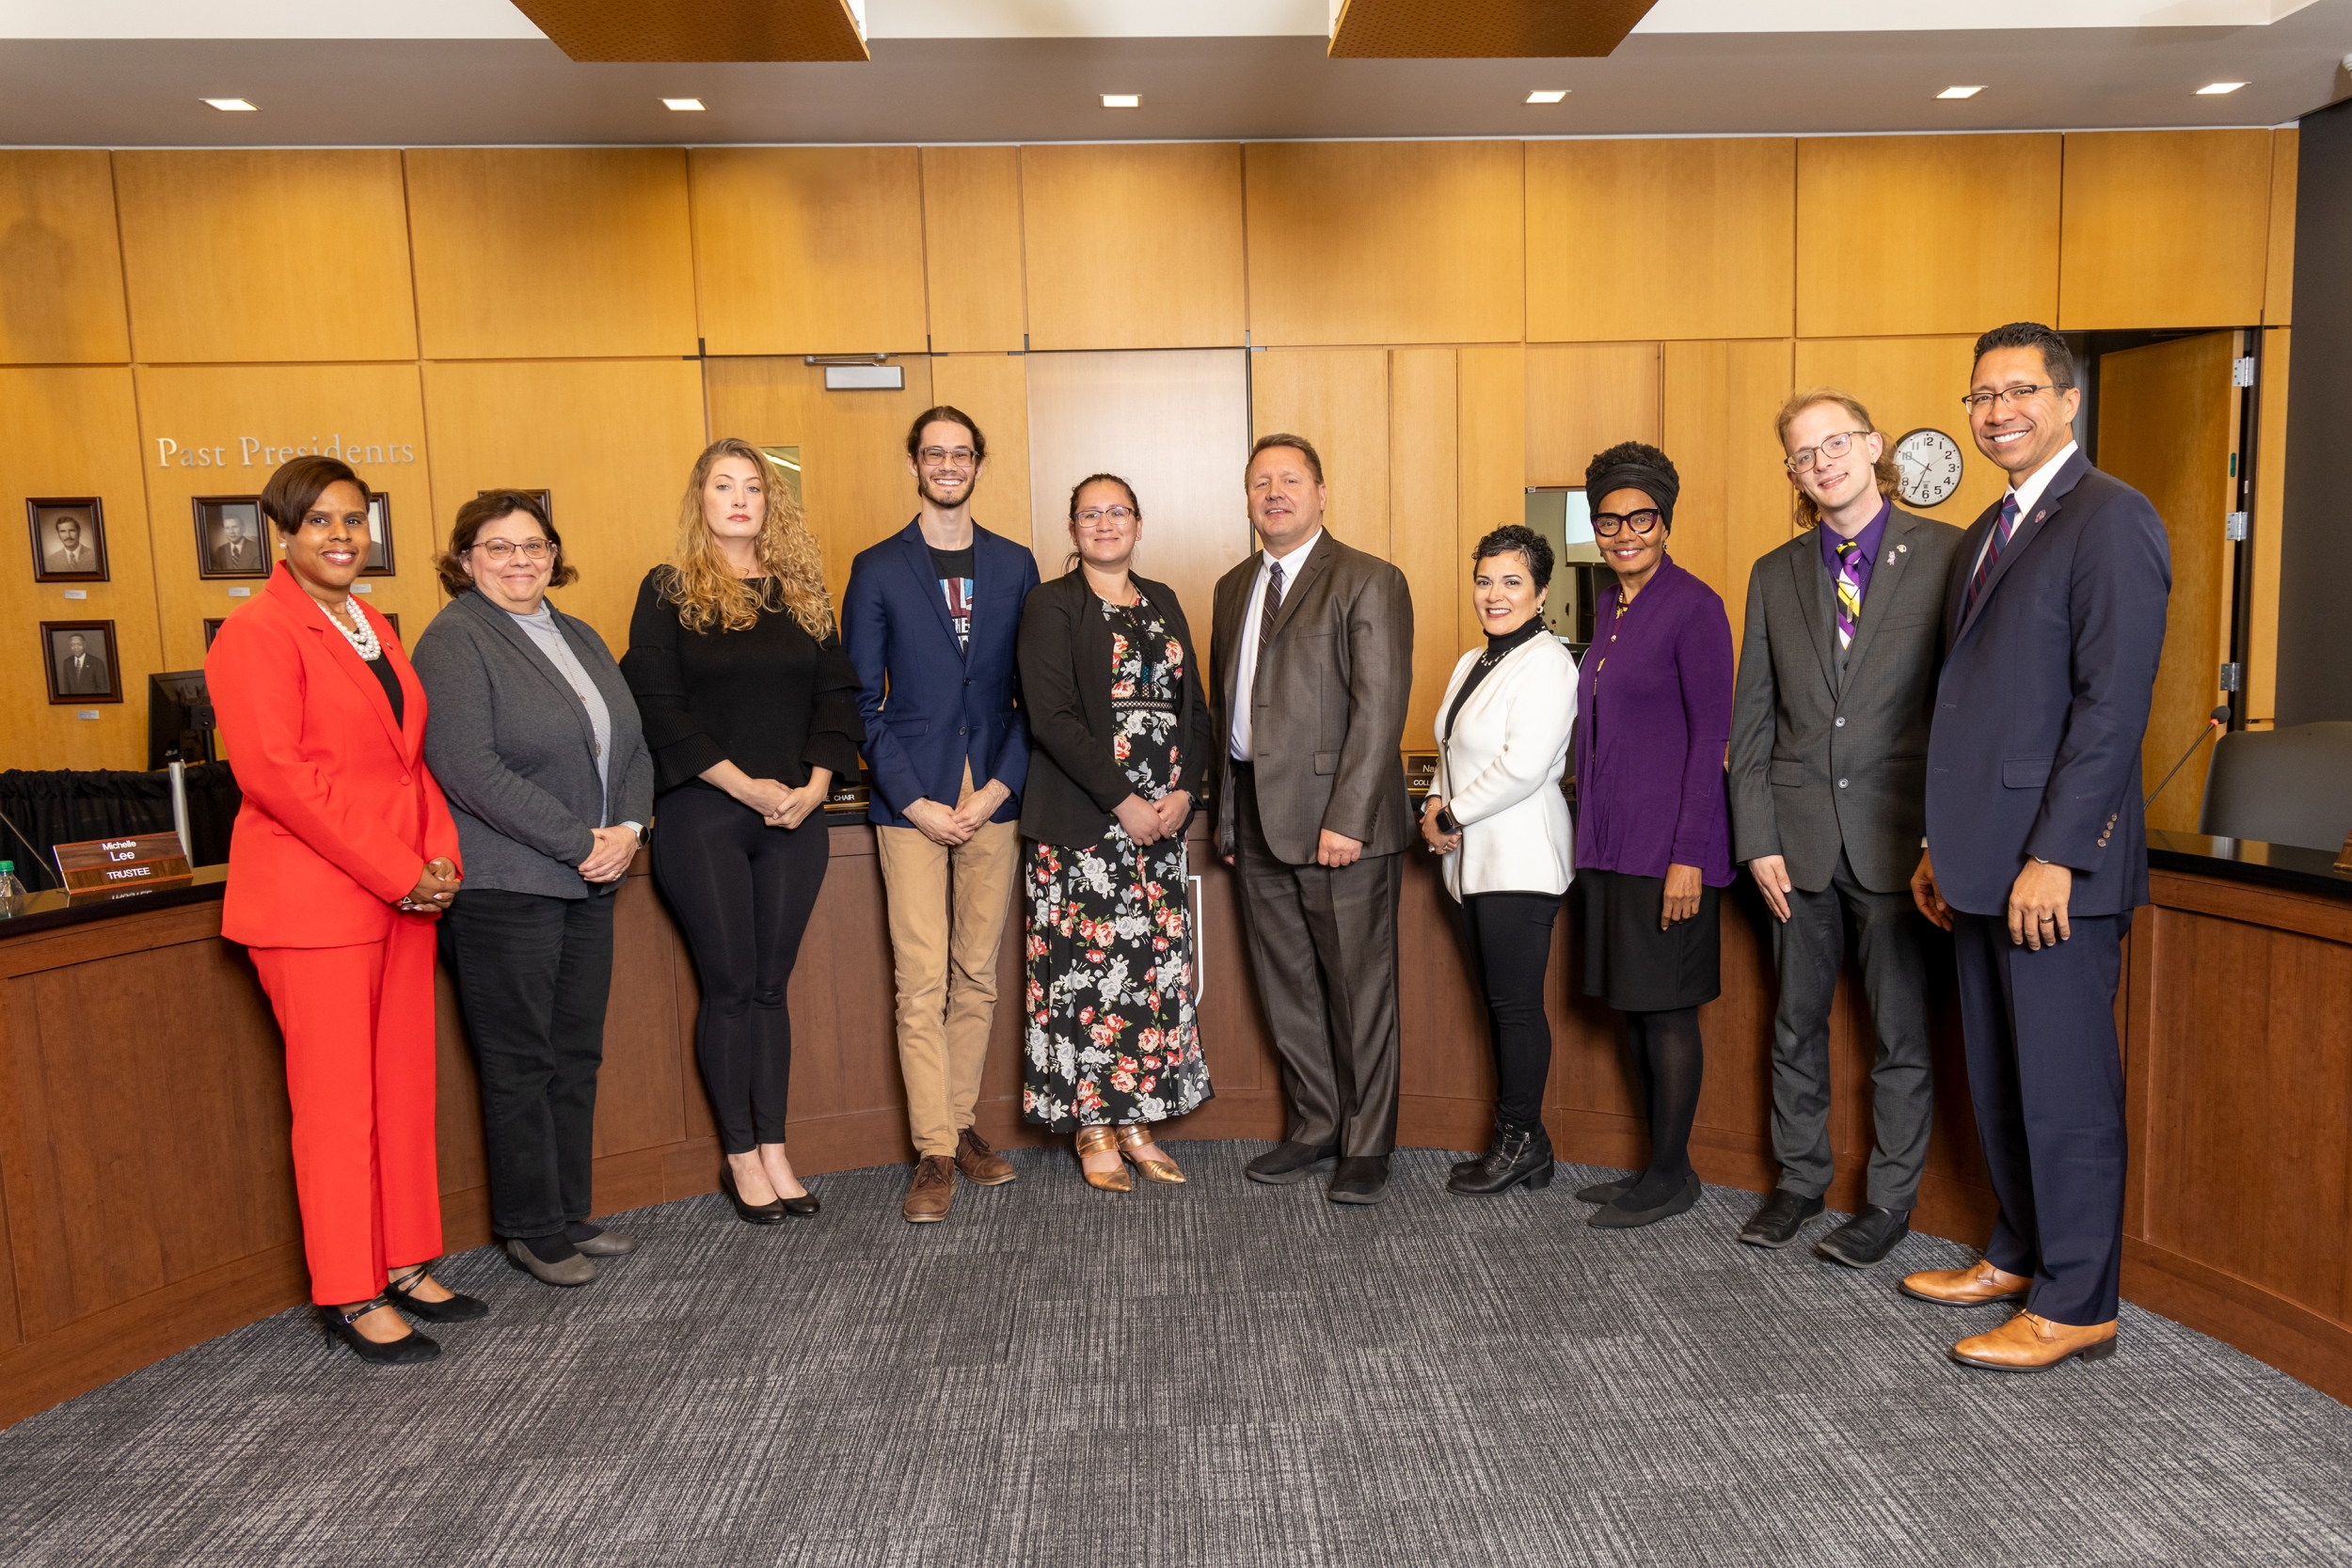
[1517, 1155]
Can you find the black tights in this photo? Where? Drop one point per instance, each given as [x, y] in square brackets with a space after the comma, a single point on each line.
[1668, 1062]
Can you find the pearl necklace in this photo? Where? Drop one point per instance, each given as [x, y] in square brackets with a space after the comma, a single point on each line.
[363, 639]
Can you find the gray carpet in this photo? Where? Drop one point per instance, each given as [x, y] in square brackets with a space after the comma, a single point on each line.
[1221, 1373]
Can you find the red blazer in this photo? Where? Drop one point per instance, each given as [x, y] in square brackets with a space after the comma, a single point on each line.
[340, 813]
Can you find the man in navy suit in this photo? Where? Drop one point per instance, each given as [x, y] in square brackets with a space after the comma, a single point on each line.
[2037, 853]
[931, 617]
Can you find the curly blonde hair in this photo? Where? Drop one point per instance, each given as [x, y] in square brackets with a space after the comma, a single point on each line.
[1802, 513]
[702, 582]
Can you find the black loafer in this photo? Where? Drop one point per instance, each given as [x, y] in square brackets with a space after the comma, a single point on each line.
[1616, 1216]
[1287, 1162]
[1866, 1238]
[456, 1310]
[1605, 1191]
[1363, 1179]
[1777, 1221]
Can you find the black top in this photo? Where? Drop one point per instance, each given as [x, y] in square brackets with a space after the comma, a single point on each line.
[956, 572]
[774, 701]
[1498, 648]
[391, 679]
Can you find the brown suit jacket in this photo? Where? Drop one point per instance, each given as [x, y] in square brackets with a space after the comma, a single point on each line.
[1330, 701]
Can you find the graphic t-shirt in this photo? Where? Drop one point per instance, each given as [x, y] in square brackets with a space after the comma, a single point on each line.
[954, 569]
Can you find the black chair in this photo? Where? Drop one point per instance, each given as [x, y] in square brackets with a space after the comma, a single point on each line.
[2281, 787]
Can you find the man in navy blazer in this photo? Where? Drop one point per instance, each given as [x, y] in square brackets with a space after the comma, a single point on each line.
[2037, 852]
[931, 617]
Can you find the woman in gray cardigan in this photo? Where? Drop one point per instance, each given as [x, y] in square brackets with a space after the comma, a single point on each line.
[535, 740]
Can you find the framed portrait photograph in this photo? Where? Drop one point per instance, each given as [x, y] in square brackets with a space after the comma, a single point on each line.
[230, 541]
[379, 536]
[211, 629]
[81, 661]
[69, 538]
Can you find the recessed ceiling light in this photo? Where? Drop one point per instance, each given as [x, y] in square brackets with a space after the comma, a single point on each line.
[684, 105]
[1548, 95]
[1960, 92]
[231, 106]
[1123, 100]
[2217, 88]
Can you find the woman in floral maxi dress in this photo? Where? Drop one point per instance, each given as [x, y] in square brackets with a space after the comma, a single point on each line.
[1118, 732]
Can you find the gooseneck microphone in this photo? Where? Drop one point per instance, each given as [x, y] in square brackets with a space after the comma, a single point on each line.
[2217, 720]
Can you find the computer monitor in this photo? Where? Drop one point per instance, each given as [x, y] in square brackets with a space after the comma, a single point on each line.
[179, 718]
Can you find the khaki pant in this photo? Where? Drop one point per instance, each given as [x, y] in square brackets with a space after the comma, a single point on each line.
[948, 912]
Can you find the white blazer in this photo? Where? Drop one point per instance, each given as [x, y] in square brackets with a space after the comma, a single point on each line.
[1500, 772]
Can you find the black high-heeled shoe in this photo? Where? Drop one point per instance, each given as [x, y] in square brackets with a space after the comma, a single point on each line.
[771, 1212]
[411, 1349]
[802, 1207]
[456, 1310]
[1517, 1155]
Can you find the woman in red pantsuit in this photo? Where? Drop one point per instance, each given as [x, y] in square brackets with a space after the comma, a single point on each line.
[342, 858]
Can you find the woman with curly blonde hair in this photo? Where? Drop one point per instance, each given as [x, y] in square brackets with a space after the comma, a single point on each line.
[750, 709]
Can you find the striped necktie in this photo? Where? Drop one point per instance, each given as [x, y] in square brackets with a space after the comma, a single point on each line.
[2007, 526]
[1268, 610]
[1849, 593]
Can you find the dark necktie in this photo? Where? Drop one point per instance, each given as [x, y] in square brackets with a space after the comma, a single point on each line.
[1266, 613]
[2001, 530]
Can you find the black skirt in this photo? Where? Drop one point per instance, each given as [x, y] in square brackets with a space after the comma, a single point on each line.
[1628, 961]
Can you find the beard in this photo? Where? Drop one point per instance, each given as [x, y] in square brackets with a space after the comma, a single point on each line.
[923, 488]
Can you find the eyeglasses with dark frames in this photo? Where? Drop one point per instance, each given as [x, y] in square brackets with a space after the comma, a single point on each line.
[1606, 524]
[2010, 397]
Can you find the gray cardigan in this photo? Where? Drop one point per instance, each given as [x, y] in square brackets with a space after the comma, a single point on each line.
[511, 744]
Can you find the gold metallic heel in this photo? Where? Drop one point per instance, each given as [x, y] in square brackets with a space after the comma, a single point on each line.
[1135, 1135]
[1099, 1140]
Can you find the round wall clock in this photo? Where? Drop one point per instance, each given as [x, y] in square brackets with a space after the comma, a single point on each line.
[1929, 462]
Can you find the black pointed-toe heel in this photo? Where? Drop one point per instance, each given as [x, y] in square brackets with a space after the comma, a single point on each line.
[456, 1310]
[411, 1349]
[802, 1207]
[750, 1213]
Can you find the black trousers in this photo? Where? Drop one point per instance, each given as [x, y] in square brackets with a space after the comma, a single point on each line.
[742, 892]
[532, 974]
[1508, 936]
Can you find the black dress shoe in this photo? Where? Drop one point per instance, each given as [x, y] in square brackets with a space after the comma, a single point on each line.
[1287, 1162]
[770, 1212]
[1779, 1218]
[455, 1309]
[407, 1351]
[1616, 1216]
[802, 1207]
[1361, 1178]
[1605, 1191]
[1867, 1236]
[1518, 1154]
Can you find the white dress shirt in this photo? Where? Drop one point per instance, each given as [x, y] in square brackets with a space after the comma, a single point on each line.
[2027, 494]
[1245, 672]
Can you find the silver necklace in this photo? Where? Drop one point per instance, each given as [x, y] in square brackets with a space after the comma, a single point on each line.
[359, 634]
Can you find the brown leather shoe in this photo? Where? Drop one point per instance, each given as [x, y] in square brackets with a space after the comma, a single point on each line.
[981, 1166]
[2027, 1343]
[930, 1191]
[1972, 1286]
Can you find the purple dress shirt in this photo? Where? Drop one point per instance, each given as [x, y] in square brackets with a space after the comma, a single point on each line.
[1863, 557]
[1653, 717]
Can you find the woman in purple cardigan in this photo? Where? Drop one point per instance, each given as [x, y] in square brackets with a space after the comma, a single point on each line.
[1653, 836]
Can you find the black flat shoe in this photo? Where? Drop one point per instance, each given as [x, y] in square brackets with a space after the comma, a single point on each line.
[456, 1310]
[1605, 1191]
[1866, 1238]
[750, 1213]
[1518, 1154]
[1616, 1216]
[1363, 1178]
[1287, 1162]
[1779, 1218]
[410, 1349]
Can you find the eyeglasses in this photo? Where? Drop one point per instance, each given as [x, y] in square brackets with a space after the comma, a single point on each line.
[1119, 517]
[1645, 522]
[500, 551]
[941, 457]
[2008, 397]
[1832, 446]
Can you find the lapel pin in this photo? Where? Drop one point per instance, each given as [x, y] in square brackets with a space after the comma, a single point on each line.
[1900, 548]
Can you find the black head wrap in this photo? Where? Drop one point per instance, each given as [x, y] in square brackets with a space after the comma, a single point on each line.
[1635, 465]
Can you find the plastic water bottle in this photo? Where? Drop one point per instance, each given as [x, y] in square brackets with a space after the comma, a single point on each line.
[12, 894]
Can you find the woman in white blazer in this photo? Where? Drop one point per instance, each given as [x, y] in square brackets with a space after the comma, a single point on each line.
[1495, 814]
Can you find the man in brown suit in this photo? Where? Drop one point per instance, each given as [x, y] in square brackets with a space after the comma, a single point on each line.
[1313, 657]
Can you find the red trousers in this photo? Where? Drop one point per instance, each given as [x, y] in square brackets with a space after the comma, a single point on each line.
[360, 1055]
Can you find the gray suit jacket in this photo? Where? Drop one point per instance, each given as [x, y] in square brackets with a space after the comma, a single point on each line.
[1818, 762]
[1331, 692]
[511, 744]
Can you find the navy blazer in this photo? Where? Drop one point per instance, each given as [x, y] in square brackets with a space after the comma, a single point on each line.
[929, 705]
[2042, 701]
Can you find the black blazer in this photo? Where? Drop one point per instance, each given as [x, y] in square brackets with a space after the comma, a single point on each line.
[1065, 650]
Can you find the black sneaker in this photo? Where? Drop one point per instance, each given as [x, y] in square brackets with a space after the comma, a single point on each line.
[1864, 1239]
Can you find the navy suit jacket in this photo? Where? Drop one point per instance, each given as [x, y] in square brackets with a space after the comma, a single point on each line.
[929, 705]
[2043, 697]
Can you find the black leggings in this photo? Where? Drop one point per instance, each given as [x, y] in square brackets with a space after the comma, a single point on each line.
[742, 892]
[1509, 938]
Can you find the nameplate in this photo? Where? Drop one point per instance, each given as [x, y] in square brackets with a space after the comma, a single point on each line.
[847, 798]
[1420, 771]
[138, 860]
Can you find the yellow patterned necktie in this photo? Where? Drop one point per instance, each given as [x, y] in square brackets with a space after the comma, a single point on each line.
[1849, 595]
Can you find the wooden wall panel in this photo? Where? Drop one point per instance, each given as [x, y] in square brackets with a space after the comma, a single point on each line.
[2270, 492]
[1425, 491]
[1907, 383]
[2165, 229]
[972, 247]
[853, 455]
[1585, 397]
[1661, 239]
[551, 252]
[1893, 233]
[222, 430]
[1133, 247]
[279, 255]
[809, 250]
[1338, 398]
[1385, 241]
[1493, 479]
[2279, 265]
[993, 388]
[72, 432]
[520, 424]
[62, 257]
[1734, 506]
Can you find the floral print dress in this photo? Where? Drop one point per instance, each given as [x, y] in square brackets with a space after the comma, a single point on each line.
[1108, 1032]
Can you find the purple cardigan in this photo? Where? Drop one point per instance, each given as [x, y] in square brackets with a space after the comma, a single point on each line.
[1649, 747]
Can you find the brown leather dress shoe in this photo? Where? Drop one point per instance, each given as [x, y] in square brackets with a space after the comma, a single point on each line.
[2027, 1343]
[930, 1191]
[1972, 1286]
[981, 1166]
